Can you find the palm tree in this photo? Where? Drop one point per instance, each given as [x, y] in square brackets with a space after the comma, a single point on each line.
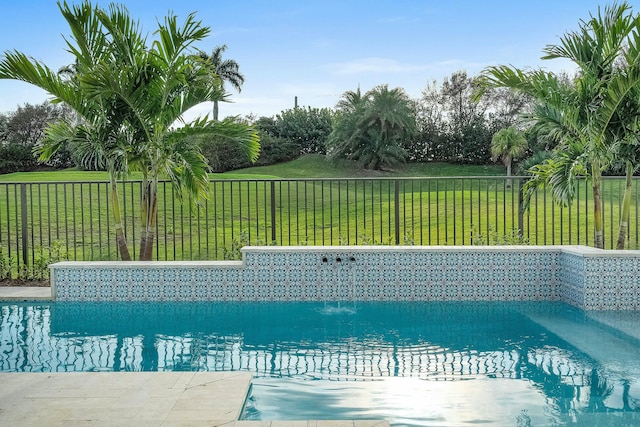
[508, 144]
[227, 70]
[129, 98]
[152, 96]
[628, 149]
[101, 136]
[372, 129]
[580, 115]
[350, 101]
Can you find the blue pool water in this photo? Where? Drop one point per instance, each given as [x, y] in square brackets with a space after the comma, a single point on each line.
[426, 363]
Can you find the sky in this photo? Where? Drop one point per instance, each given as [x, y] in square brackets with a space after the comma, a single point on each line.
[317, 50]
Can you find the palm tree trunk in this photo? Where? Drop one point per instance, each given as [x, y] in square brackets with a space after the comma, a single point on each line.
[626, 208]
[149, 209]
[596, 182]
[144, 214]
[509, 174]
[121, 240]
[215, 110]
[151, 223]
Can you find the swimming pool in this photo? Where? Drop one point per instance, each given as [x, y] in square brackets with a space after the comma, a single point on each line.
[414, 363]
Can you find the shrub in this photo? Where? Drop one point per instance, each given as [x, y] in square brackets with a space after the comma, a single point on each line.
[223, 155]
[16, 157]
[495, 239]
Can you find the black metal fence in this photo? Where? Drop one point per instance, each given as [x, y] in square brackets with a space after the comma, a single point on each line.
[46, 221]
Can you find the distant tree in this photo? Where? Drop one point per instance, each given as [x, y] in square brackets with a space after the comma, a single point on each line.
[507, 145]
[26, 127]
[266, 125]
[227, 70]
[457, 100]
[431, 126]
[3, 127]
[308, 128]
[453, 126]
[223, 154]
[505, 107]
[373, 129]
[293, 132]
[27, 124]
[16, 158]
[351, 101]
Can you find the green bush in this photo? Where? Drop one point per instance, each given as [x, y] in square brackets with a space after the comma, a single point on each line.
[44, 256]
[233, 252]
[493, 238]
[223, 155]
[307, 128]
[16, 157]
[6, 265]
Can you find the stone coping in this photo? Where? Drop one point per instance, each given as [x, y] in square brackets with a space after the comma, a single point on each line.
[154, 264]
[25, 293]
[585, 251]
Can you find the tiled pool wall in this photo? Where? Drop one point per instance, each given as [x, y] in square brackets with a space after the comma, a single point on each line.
[587, 278]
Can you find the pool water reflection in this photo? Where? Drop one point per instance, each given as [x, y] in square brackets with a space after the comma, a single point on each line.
[422, 363]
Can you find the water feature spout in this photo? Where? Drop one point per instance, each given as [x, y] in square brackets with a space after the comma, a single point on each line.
[338, 282]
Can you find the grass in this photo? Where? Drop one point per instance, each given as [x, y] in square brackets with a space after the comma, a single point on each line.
[69, 175]
[309, 166]
[318, 166]
[327, 208]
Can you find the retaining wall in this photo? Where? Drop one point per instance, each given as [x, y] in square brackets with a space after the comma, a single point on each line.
[585, 277]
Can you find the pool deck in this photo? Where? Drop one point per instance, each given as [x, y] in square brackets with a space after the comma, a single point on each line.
[135, 398]
[25, 293]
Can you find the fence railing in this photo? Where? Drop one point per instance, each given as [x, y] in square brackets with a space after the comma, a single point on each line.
[44, 221]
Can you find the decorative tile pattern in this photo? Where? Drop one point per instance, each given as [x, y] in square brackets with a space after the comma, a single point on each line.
[612, 283]
[582, 277]
[572, 279]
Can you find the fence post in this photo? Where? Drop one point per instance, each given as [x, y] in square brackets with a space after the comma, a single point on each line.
[396, 208]
[23, 215]
[520, 208]
[273, 211]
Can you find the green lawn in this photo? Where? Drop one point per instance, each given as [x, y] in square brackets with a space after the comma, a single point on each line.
[317, 166]
[310, 166]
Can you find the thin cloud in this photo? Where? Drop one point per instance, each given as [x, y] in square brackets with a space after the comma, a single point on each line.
[386, 66]
[308, 89]
[373, 65]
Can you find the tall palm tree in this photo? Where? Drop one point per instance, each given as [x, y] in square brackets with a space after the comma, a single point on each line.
[227, 70]
[580, 115]
[152, 96]
[508, 144]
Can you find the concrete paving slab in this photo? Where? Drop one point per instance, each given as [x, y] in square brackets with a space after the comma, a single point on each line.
[168, 399]
[25, 293]
[129, 398]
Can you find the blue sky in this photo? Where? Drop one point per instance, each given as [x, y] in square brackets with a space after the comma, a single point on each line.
[317, 50]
